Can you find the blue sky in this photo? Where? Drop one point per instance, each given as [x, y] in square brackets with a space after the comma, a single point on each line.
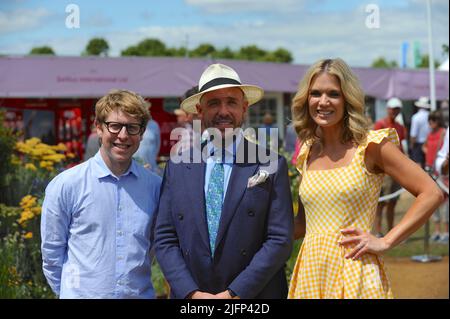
[309, 29]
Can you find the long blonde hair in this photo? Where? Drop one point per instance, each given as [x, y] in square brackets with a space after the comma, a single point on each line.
[355, 126]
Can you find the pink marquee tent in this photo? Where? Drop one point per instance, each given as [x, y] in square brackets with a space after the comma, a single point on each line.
[53, 76]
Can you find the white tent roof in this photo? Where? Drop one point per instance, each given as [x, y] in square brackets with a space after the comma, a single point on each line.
[444, 66]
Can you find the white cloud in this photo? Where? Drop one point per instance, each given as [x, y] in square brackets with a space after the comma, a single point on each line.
[220, 6]
[309, 36]
[22, 19]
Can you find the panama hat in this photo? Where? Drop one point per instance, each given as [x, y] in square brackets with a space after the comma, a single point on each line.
[179, 112]
[219, 76]
[424, 102]
[393, 103]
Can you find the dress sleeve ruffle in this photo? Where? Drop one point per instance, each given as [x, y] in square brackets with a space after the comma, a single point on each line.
[301, 158]
[378, 136]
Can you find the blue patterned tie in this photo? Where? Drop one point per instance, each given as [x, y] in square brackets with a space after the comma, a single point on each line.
[214, 197]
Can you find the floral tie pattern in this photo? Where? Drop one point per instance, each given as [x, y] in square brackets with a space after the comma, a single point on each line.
[214, 197]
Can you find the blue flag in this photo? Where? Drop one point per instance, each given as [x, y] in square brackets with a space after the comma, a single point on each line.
[404, 56]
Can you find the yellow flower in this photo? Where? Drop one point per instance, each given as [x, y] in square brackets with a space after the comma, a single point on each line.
[45, 164]
[15, 160]
[25, 216]
[60, 147]
[32, 141]
[28, 201]
[30, 166]
[70, 155]
[54, 157]
[36, 210]
[28, 235]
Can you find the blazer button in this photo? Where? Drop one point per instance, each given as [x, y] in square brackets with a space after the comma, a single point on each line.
[251, 214]
[186, 252]
[180, 216]
[243, 252]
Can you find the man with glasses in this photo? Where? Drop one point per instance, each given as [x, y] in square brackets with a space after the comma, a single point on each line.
[97, 216]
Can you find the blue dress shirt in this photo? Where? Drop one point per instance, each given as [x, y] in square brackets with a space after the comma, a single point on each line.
[228, 160]
[95, 230]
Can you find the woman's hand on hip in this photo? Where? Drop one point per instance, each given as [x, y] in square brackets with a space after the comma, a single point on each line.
[362, 243]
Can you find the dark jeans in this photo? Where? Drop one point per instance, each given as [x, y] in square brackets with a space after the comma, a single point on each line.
[417, 155]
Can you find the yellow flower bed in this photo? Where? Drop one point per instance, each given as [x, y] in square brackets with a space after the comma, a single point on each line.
[36, 154]
[30, 209]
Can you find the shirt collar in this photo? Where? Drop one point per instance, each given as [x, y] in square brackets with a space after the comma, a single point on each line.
[230, 150]
[101, 169]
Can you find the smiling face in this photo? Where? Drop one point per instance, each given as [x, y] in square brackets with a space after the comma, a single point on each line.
[117, 149]
[326, 101]
[224, 108]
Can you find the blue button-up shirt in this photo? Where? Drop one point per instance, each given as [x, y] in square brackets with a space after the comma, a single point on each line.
[228, 160]
[95, 230]
[419, 126]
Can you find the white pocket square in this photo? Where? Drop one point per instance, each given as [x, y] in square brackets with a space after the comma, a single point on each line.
[258, 178]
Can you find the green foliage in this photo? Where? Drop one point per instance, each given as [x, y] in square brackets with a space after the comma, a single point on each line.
[225, 53]
[160, 284]
[252, 53]
[444, 48]
[176, 52]
[42, 50]
[425, 62]
[20, 257]
[154, 47]
[381, 62]
[204, 50]
[97, 46]
[7, 142]
[147, 47]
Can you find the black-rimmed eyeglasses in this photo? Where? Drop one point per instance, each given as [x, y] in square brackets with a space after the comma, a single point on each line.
[116, 127]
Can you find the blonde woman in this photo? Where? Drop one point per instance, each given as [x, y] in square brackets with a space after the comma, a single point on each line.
[341, 166]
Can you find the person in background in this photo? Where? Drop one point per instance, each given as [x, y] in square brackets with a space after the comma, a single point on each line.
[268, 126]
[441, 163]
[149, 147]
[342, 164]
[184, 120]
[97, 216]
[419, 130]
[92, 144]
[290, 139]
[390, 186]
[434, 142]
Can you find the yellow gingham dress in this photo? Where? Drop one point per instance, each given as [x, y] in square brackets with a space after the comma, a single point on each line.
[335, 199]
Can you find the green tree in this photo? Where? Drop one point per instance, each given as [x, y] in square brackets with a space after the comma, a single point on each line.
[279, 55]
[147, 47]
[97, 46]
[381, 62]
[425, 62]
[177, 52]
[226, 53]
[445, 50]
[42, 50]
[204, 50]
[252, 53]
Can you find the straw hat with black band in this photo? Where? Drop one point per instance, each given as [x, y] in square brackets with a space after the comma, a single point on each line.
[219, 76]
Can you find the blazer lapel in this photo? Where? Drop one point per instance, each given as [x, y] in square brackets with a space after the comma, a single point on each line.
[195, 180]
[235, 191]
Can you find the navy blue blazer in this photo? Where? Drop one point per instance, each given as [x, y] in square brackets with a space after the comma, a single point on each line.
[254, 239]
